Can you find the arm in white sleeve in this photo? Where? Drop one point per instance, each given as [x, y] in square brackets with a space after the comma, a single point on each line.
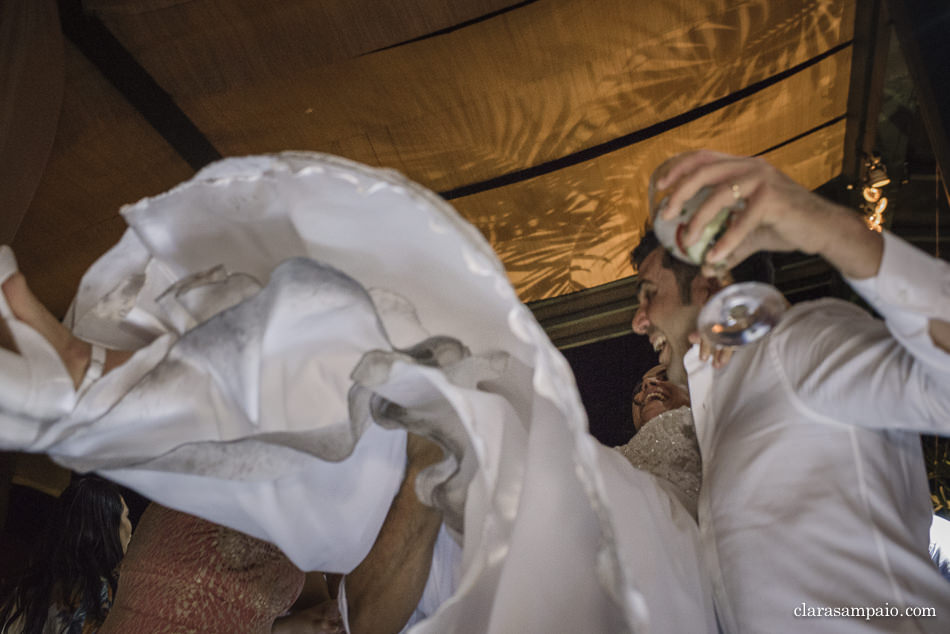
[911, 291]
[840, 365]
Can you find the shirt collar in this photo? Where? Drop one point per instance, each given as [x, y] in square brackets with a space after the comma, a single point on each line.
[700, 376]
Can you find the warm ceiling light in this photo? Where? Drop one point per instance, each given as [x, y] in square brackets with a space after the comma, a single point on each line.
[873, 180]
[877, 177]
[876, 173]
[871, 194]
[875, 218]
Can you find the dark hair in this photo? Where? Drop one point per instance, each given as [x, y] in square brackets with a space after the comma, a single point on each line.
[78, 553]
[757, 267]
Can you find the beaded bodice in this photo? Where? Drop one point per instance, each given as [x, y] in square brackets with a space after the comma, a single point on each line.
[666, 446]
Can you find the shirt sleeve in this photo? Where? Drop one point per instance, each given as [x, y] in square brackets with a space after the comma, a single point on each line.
[840, 365]
[910, 289]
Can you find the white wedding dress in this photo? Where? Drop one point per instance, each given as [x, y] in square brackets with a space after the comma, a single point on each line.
[292, 314]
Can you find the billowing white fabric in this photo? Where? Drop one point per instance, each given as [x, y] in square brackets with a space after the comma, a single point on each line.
[290, 305]
[940, 544]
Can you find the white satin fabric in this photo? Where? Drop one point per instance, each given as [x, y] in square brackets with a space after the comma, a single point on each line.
[286, 309]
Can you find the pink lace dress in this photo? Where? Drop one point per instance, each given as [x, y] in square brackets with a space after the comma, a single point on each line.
[183, 574]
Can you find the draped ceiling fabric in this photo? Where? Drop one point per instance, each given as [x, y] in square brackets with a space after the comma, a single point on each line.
[540, 120]
[31, 93]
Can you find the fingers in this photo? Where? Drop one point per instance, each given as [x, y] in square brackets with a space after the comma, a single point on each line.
[726, 261]
[705, 348]
[719, 355]
[719, 174]
[732, 194]
[681, 164]
[722, 356]
[736, 239]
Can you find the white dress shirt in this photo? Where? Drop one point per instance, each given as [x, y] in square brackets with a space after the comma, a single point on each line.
[815, 496]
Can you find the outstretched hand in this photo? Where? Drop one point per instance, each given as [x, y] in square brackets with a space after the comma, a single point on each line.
[779, 215]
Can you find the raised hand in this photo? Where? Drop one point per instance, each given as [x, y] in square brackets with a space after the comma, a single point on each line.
[779, 214]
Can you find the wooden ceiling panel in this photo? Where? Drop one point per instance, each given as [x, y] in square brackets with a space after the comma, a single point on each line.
[589, 93]
[209, 45]
[815, 159]
[104, 155]
[516, 90]
[573, 228]
[31, 93]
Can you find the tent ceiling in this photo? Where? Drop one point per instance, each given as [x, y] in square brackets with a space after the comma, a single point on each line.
[540, 119]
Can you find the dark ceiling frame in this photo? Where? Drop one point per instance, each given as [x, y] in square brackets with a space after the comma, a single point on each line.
[923, 31]
[454, 27]
[865, 93]
[97, 43]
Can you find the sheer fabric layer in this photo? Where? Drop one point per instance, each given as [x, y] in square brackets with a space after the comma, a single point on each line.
[286, 308]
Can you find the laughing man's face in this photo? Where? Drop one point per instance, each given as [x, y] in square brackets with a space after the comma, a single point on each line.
[663, 317]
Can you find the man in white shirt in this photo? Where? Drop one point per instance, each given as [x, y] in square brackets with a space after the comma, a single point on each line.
[814, 511]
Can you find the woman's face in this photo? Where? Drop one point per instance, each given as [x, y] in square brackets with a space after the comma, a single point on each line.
[656, 395]
[125, 527]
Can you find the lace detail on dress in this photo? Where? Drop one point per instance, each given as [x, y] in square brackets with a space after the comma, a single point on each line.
[666, 447]
[184, 575]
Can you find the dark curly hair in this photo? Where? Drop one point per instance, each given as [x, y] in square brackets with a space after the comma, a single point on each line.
[78, 553]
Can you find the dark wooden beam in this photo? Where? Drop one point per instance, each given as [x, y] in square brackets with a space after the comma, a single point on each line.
[590, 315]
[455, 27]
[139, 88]
[865, 94]
[606, 311]
[923, 30]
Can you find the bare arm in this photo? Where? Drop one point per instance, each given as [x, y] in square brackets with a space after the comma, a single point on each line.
[385, 588]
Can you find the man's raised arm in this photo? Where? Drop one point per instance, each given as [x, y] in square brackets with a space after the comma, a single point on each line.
[781, 215]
